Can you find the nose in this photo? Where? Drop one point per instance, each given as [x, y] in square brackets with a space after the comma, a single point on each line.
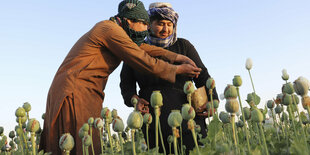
[165, 28]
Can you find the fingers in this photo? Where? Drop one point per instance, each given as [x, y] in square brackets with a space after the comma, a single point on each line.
[202, 108]
[195, 72]
[143, 101]
[142, 106]
[204, 115]
[185, 60]
[143, 109]
[191, 62]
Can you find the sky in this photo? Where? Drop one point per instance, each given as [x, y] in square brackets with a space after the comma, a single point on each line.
[35, 37]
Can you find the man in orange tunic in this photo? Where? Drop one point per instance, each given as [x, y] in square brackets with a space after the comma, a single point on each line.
[76, 92]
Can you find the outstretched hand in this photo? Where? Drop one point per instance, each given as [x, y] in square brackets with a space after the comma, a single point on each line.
[188, 70]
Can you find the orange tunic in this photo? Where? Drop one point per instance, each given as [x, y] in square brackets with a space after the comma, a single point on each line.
[76, 92]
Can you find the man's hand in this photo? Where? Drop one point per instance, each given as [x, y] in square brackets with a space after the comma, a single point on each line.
[188, 70]
[203, 112]
[142, 105]
[206, 114]
[184, 60]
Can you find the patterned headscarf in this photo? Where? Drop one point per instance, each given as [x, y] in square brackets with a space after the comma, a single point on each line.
[166, 12]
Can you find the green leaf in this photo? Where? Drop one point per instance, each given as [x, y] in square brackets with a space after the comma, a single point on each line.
[214, 127]
[298, 147]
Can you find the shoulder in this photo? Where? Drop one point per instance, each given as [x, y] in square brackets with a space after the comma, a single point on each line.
[108, 29]
[107, 26]
[183, 41]
[106, 23]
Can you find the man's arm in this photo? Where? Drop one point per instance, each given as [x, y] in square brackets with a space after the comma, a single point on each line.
[166, 55]
[118, 42]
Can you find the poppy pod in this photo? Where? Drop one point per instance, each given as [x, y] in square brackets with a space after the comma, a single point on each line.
[189, 87]
[288, 88]
[17, 140]
[98, 123]
[135, 120]
[85, 127]
[301, 86]
[33, 125]
[22, 119]
[87, 140]
[147, 118]
[12, 144]
[81, 133]
[232, 105]
[253, 98]
[170, 139]
[278, 109]
[27, 106]
[216, 103]
[270, 104]
[237, 81]
[225, 117]
[210, 83]
[285, 76]
[91, 121]
[247, 113]
[175, 118]
[248, 63]
[208, 105]
[230, 91]
[188, 112]
[66, 142]
[114, 113]
[287, 99]
[117, 125]
[19, 131]
[240, 124]
[20, 112]
[106, 113]
[156, 99]
[257, 116]
[134, 101]
[12, 134]
[279, 99]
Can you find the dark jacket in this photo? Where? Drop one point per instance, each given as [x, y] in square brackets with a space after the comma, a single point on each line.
[173, 95]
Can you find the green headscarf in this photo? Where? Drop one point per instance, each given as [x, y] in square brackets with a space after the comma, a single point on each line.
[135, 10]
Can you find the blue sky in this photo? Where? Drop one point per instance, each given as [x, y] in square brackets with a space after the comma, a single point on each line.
[37, 35]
